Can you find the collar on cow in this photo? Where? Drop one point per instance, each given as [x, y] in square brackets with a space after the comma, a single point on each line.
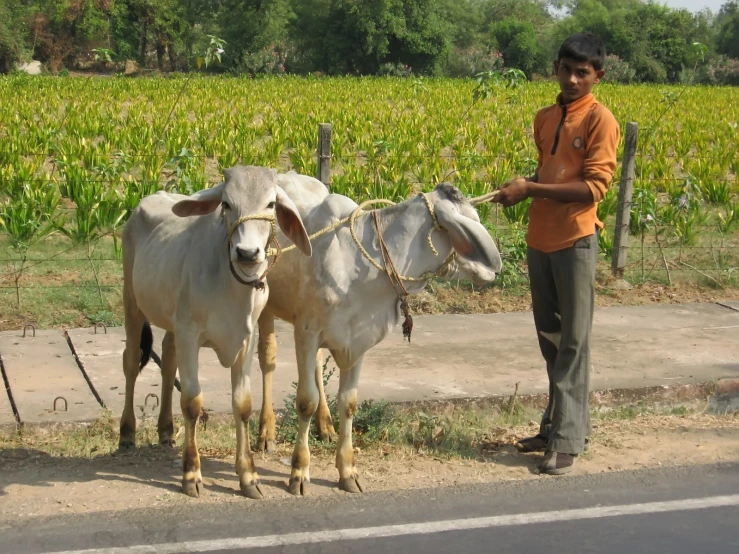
[257, 284]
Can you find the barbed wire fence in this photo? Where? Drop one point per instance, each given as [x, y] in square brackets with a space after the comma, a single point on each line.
[656, 234]
[672, 225]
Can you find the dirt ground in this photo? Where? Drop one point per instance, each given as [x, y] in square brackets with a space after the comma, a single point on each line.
[34, 483]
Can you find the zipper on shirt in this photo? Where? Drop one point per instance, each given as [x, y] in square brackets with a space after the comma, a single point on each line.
[559, 129]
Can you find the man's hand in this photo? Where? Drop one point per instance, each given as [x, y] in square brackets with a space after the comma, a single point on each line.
[512, 192]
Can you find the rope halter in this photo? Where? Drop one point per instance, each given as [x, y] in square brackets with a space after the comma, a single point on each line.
[258, 284]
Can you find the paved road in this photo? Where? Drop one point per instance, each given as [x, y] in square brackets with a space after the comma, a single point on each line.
[685, 510]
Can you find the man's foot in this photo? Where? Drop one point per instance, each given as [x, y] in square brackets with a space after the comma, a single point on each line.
[539, 444]
[557, 463]
[532, 444]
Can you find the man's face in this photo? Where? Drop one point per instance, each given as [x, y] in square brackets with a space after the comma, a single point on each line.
[576, 79]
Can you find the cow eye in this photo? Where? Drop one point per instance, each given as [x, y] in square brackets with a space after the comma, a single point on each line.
[271, 206]
[225, 206]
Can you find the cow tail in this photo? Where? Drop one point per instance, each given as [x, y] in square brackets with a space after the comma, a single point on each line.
[146, 345]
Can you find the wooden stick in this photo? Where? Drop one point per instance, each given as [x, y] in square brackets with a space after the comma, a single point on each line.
[704, 274]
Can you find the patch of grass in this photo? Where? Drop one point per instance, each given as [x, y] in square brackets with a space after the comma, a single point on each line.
[642, 409]
[454, 432]
[59, 287]
[444, 430]
[73, 441]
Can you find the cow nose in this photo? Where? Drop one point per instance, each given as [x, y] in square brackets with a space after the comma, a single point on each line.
[247, 255]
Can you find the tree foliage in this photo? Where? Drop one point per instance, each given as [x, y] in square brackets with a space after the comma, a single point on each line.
[362, 36]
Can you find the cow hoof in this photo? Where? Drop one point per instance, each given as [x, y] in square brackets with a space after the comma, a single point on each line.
[325, 426]
[126, 444]
[268, 446]
[191, 487]
[327, 434]
[350, 484]
[253, 491]
[167, 443]
[299, 486]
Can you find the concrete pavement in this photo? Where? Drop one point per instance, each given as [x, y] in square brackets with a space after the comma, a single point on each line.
[451, 356]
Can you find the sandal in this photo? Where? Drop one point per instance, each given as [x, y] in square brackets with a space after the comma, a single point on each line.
[557, 463]
[539, 444]
[532, 444]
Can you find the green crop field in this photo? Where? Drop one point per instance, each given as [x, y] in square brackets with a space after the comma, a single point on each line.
[77, 155]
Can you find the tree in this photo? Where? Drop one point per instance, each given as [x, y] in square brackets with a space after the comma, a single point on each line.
[654, 39]
[464, 18]
[727, 22]
[308, 32]
[519, 44]
[11, 35]
[61, 30]
[363, 35]
[139, 25]
[535, 12]
[249, 26]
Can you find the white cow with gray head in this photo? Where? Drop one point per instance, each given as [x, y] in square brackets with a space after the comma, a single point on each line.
[194, 266]
[337, 299]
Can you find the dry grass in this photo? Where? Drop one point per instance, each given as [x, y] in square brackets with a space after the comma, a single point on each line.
[444, 430]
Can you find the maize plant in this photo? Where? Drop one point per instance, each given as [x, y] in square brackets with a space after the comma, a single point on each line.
[113, 140]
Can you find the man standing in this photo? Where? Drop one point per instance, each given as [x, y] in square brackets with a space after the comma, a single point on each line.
[577, 139]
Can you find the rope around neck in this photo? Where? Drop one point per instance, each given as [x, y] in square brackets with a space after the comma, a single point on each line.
[360, 210]
[350, 219]
[277, 250]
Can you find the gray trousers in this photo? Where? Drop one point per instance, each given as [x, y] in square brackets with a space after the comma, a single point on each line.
[563, 297]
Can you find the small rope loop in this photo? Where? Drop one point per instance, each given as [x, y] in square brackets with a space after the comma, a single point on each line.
[263, 217]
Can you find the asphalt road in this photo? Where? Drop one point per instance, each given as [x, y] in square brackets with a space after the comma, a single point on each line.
[685, 510]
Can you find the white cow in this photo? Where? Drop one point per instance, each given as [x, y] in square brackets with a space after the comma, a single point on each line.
[194, 266]
[339, 300]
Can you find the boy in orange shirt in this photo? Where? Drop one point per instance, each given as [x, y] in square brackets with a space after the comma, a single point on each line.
[577, 139]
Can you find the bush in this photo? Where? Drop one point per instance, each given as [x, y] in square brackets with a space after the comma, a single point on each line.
[618, 70]
[469, 62]
[267, 61]
[395, 70]
[721, 70]
[649, 70]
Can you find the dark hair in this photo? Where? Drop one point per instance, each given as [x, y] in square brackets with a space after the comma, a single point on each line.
[584, 47]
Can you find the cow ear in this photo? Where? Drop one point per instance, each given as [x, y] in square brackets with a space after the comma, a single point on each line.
[290, 222]
[469, 238]
[200, 203]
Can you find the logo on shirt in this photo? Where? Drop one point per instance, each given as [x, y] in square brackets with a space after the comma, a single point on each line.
[578, 143]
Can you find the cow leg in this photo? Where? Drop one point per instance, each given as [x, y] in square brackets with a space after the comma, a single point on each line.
[347, 404]
[267, 350]
[324, 422]
[241, 402]
[191, 402]
[134, 324]
[165, 425]
[306, 346]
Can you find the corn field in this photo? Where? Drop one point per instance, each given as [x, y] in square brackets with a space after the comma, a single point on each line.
[78, 154]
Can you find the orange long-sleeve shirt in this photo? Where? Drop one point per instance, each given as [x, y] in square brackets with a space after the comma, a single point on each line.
[576, 142]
